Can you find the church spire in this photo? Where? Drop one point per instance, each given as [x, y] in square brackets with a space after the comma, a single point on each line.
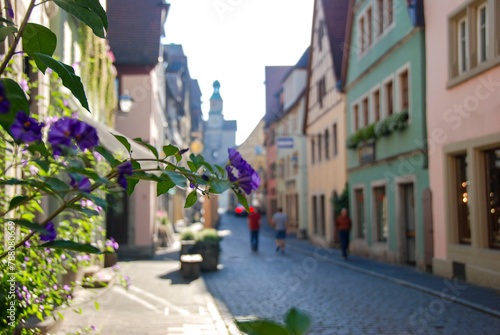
[216, 100]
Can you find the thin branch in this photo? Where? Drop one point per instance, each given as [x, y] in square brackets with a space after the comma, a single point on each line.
[19, 34]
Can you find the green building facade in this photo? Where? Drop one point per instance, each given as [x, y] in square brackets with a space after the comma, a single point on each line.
[384, 81]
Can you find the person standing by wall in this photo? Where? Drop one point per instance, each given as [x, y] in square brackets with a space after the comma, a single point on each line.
[254, 222]
[343, 224]
[280, 224]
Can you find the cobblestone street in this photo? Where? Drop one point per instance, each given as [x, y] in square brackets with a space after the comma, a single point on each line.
[339, 300]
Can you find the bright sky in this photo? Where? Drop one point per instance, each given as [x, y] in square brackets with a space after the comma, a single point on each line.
[232, 41]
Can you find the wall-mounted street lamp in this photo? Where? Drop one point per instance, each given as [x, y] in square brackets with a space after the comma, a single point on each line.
[126, 102]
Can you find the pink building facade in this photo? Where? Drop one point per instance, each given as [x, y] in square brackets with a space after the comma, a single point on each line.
[463, 121]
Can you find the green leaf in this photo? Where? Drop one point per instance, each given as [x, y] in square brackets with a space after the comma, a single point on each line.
[192, 166]
[163, 187]
[96, 305]
[60, 316]
[149, 146]
[12, 181]
[242, 200]
[261, 327]
[40, 148]
[9, 23]
[6, 31]
[28, 224]
[57, 184]
[208, 166]
[17, 200]
[297, 321]
[170, 150]
[96, 7]
[18, 102]
[69, 79]
[95, 199]
[43, 164]
[38, 38]
[176, 177]
[107, 155]
[219, 185]
[70, 245]
[85, 11]
[131, 183]
[191, 199]
[123, 141]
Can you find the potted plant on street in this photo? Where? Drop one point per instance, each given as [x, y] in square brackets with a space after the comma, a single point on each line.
[207, 244]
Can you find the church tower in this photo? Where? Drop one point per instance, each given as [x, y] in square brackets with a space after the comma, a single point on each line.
[218, 135]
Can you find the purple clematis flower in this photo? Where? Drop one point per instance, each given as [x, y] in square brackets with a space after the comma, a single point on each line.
[26, 129]
[50, 234]
[124, 169]
[112, 243]
[247, 178]
[4, 103]
[83, 185]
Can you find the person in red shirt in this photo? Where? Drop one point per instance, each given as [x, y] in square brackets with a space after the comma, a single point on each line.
[343, 224]
[254, 222]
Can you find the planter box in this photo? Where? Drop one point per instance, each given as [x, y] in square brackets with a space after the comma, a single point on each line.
[210, 252]
[190, 266]
[110, 259]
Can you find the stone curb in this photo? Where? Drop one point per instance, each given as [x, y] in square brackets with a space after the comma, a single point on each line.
[405, 283]
[224, 312]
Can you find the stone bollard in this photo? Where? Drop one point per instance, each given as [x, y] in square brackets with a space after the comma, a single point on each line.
[190, 266]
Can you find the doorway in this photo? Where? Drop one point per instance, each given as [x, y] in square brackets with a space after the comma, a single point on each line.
[409, 223]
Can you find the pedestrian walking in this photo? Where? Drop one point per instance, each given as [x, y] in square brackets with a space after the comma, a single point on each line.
[280, 224]
[254, 223]
[343, 224]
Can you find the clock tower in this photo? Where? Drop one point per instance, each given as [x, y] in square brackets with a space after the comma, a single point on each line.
[219, 134]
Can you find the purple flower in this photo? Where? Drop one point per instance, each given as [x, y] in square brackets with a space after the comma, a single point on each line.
[67, 288]
[60, 135]
[33, 170]
[248, 179]
[54, 287]
[83, 185]
[94, 328]
[50, 234]
[85, 135]
[124, 169]
[112, 243]
[10, 11]
[26, 129]
[27, 244]
[4, 103]
[24, 85]
[64, 130]
[235, 158]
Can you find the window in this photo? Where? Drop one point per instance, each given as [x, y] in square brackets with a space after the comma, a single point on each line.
[381, 213]
[321, 91]
[327, 145]
[462, 199]
[389, 14]
[335, 148]
[361, 30]
[320, 144]
[462, 45]
[313, 150]
[356, 117]
[368, 27]
[380, 17]
[493, 196]
[482, 35]
[376, 105]
[315, 214]
[474, 35]
[389, 98]
[404, 92]
[321, 34]
[366, 112]
[360, 213]
[322, 214]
